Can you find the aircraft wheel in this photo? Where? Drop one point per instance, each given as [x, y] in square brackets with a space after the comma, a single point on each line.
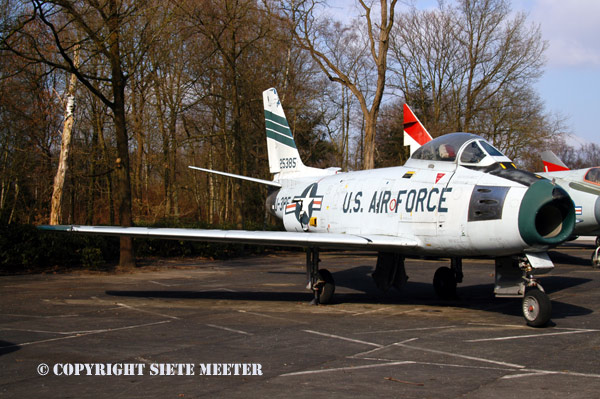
[536, 308]
[597, 241]
[444, 283]
[328, 287]
[596, 259]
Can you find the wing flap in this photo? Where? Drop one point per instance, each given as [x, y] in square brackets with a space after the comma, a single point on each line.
[280, 238]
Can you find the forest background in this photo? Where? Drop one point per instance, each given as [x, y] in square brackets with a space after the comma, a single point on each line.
[105, 103]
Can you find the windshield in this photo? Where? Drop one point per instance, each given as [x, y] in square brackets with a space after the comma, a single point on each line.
[490, 149]
[472, 153]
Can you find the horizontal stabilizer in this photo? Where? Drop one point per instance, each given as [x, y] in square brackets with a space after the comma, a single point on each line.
[279, 238]
[252, 179]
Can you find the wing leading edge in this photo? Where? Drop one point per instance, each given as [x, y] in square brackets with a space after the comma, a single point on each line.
[282, 238]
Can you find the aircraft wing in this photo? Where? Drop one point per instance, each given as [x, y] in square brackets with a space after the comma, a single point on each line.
[373, 242]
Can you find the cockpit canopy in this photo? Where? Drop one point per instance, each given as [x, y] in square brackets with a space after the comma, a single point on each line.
[466, 148]
[593, 176]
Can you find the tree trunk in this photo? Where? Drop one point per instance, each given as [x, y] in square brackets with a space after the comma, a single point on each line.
[65, 148]
[127, 256]
[118, 82]
[370, 126]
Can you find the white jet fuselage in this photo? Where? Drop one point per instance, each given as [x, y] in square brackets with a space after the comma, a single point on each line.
[449, 209]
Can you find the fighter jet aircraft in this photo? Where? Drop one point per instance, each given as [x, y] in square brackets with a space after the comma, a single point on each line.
[456, 197]
[583, 186]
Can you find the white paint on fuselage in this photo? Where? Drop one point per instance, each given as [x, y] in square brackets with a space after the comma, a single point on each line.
[431, 205]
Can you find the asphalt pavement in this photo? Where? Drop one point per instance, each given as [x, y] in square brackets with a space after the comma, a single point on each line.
[187, 328]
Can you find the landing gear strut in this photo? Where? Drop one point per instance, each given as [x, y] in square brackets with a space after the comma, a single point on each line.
[320, 281]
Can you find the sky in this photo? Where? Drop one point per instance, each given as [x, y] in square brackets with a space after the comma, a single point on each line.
[570, 85]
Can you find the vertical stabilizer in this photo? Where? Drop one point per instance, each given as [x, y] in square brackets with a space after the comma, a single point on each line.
[415, 134]
[552, 163]
[281, 147]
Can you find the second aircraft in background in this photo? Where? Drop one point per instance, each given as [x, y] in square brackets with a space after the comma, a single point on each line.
[583, 186]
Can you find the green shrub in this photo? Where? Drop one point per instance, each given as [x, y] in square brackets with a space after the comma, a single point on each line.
[24, 248]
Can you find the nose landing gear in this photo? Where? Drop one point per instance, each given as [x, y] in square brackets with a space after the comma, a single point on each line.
[515, 279]
[536, 307]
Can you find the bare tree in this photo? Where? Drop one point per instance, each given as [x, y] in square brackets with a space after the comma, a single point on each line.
[499, 52]
[235, 32]
[28, 133]
[471, 67]
[426, 66]
[312, 35]
[578, 157]
[65, 148]
[101, 27]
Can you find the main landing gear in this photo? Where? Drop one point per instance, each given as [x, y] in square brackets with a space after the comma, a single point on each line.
[514, 279]
[446, 278]
[596, 254]
[596, 258]
[320, 281]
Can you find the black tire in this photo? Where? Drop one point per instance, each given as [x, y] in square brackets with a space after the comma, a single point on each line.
[444, 283]
[595, 262]
[597, 241]
[328, 288]
[536, 307]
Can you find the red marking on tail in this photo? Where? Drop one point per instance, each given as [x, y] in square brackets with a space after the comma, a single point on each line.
[550, 167]
[414, 128]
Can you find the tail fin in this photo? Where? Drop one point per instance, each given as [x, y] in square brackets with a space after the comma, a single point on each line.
[281, 147]
[415, 134]
[552, 163]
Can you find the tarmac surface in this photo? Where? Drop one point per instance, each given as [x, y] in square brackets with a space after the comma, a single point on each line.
[255, 312]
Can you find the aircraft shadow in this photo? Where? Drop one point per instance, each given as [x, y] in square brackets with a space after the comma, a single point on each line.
[564, 258]
[8, 347]
[478, 296]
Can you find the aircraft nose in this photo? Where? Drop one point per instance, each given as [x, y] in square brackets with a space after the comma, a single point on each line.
[546, 214]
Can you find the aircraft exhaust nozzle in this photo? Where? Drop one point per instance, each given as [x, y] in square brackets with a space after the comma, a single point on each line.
[546, 215]
[271, 203]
